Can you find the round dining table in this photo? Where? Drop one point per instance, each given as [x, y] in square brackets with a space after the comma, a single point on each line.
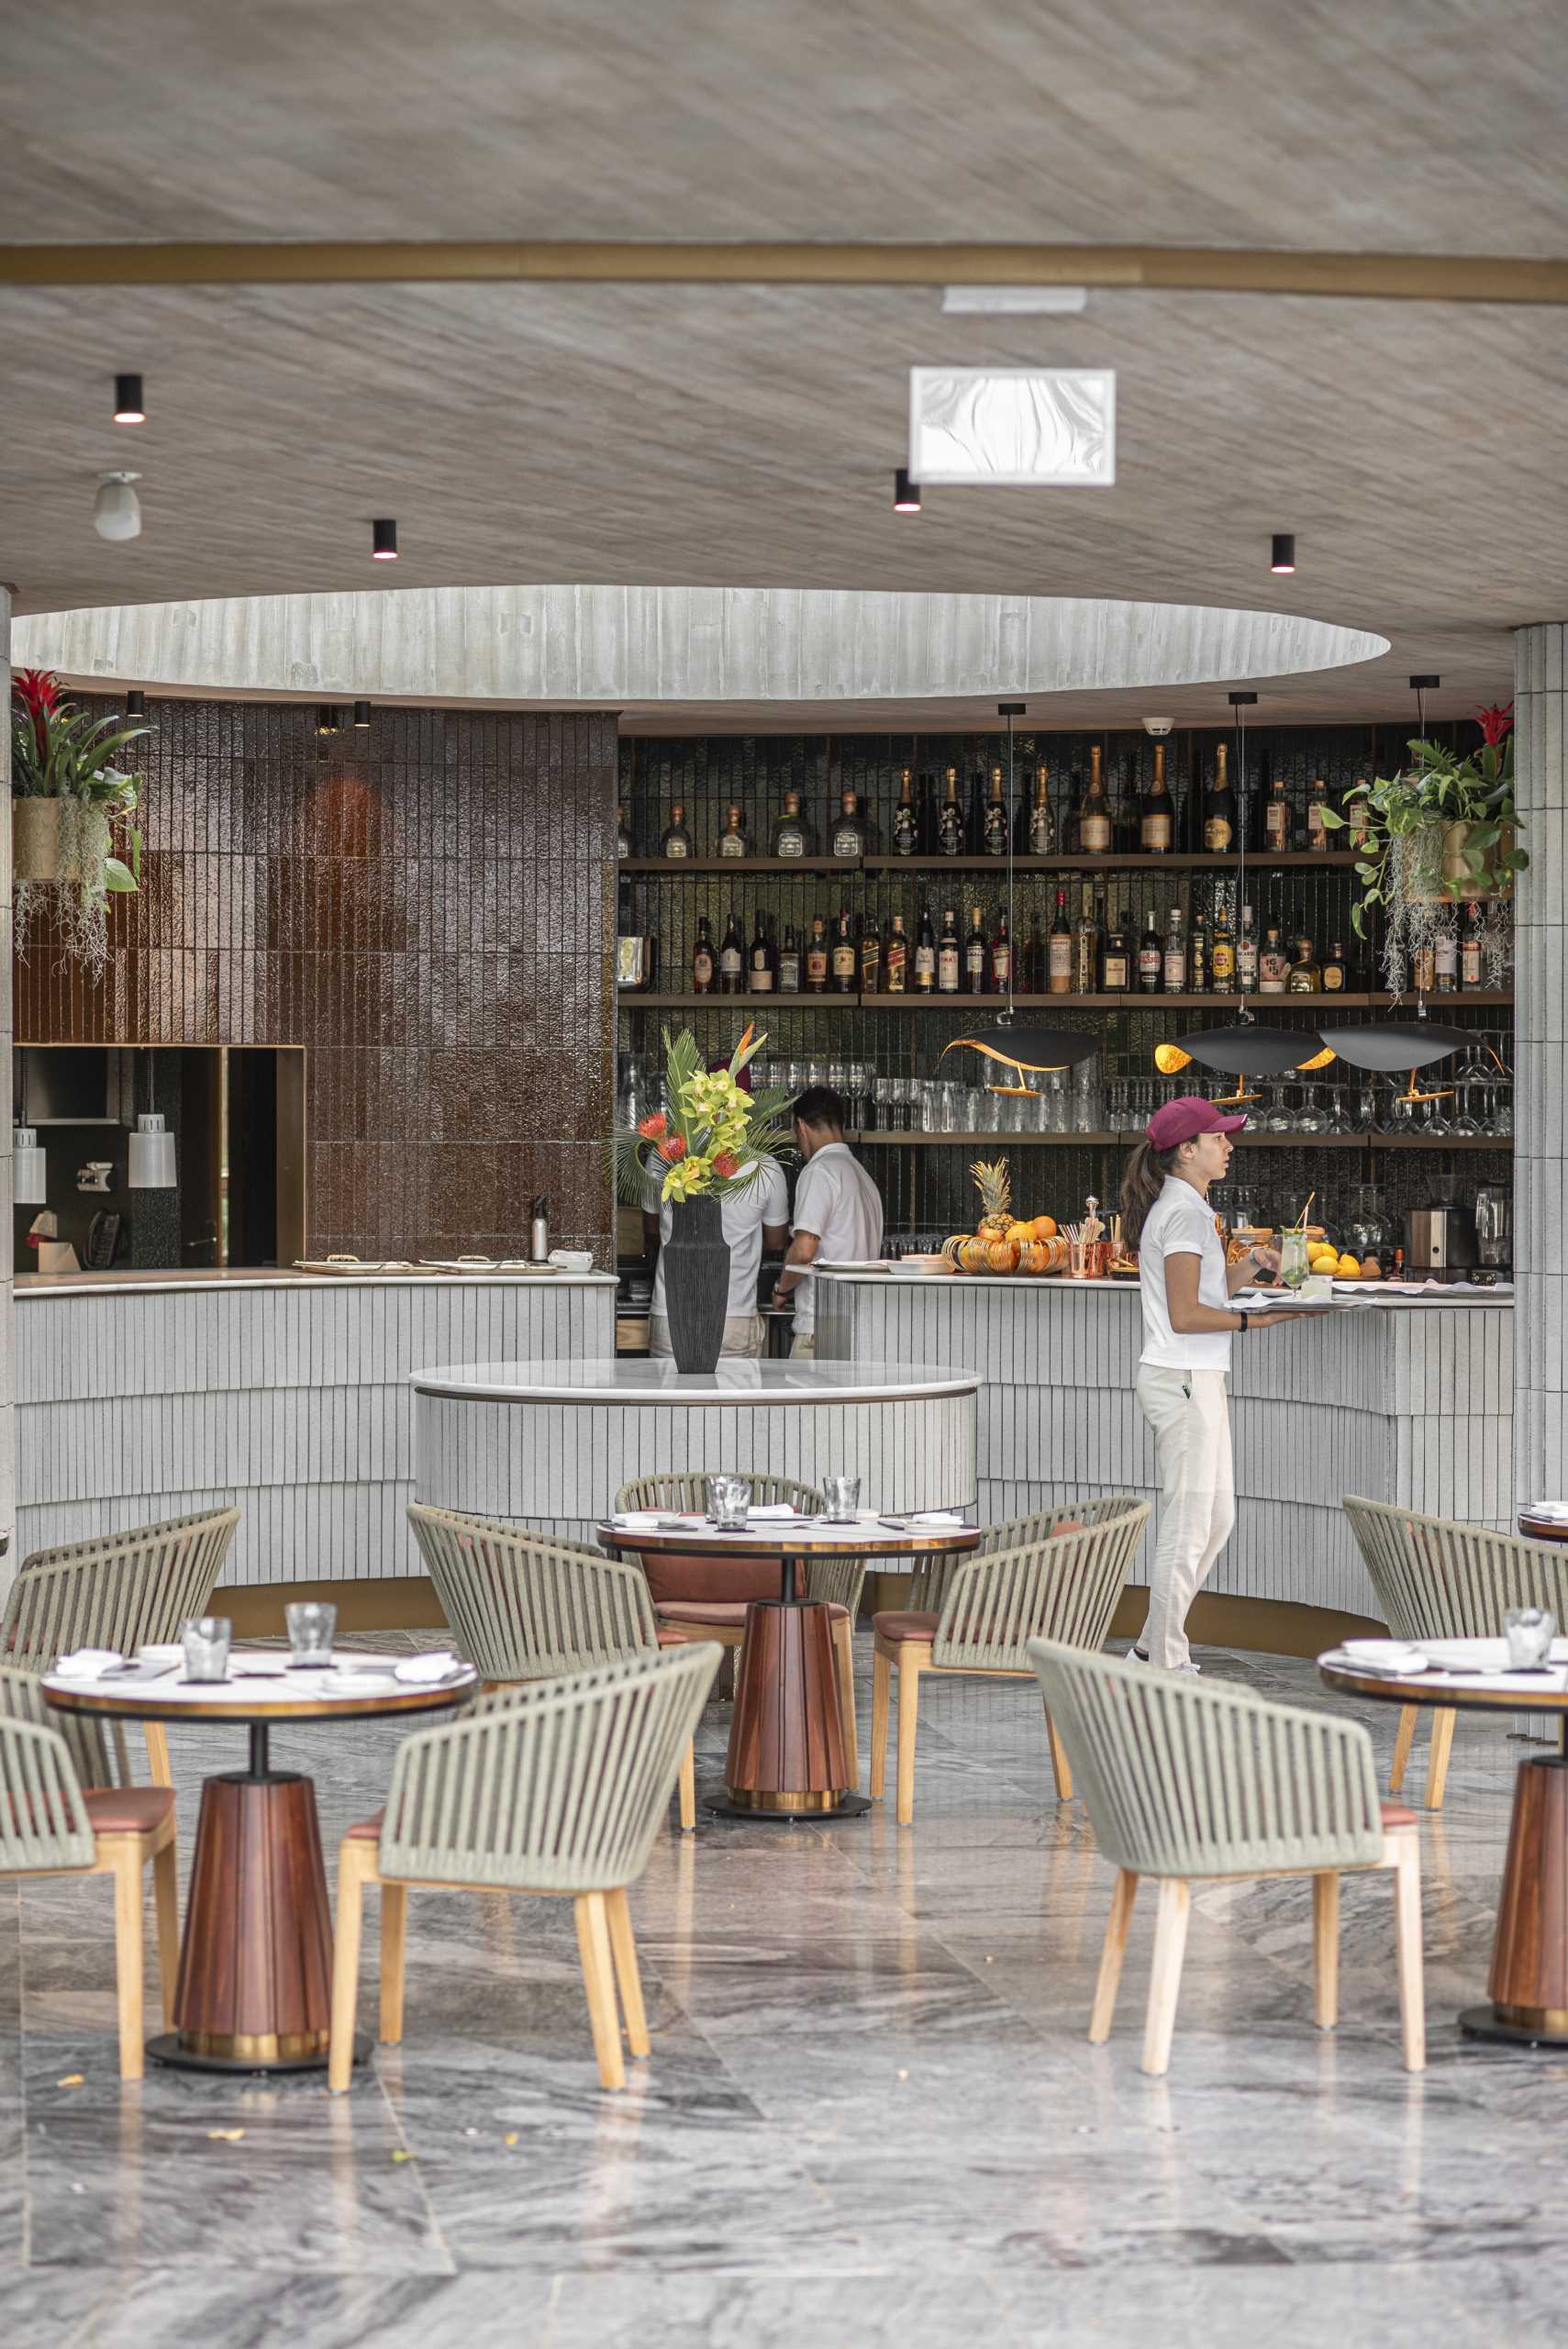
[787, 1757]
[254, 1992]
[1529, 1981]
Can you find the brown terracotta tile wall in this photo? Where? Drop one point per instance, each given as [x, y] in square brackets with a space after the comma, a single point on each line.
[428, 907]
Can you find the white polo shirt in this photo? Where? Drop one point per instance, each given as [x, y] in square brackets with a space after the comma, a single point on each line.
[741, 1216]
[1181, 1223]
[835, 1198]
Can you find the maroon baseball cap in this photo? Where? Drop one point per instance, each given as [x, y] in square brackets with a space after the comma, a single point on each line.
[1179, 1121]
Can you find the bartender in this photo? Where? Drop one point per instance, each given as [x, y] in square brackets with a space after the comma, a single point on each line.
[838, 1208]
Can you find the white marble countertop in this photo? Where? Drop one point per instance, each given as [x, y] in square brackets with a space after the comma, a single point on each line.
[127, 1282]
[1382, 1294]
[631, 1380]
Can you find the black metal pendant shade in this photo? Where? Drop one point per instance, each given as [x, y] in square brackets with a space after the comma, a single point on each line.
[1251, 1050]
[1033, 1050]
[1387, 1045]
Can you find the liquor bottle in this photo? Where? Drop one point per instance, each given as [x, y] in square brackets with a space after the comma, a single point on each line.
[1277, 826]
[871, 959]
[704, 966]
[1001, 965]
[896, 960]
[816, 958]
[1151, 956]
[843, 964]
[905, 830]
[1316, 830]
[623, 835]
[732, 840]
[1157, 829]
[792, 836]
[1423, 968]
[1175, 971]
[1042, 823]
[732, 959]
[974, 957]
[974, 824]
[1222, 952]
[1094, 832]
[1247, 956]
[1059, 950]
[996, 817]
[950, 956]
[1085, 945]
[849, 832]
[1303, 976]
[950, 822]
[1445, 960]
[1355, 816]
[1197, 957]
[1272, 967]
[1115, 973]
[925, 955]
[1219, 807]
[1335, 976]
[789, 962]
[1469, 960]
[762, 975]
[677, 841]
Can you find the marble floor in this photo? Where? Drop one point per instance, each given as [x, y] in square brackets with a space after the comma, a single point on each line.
[872, 2114]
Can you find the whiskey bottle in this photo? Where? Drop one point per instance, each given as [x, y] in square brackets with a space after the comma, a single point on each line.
[844, 958]
[974, 957]
[623, 834]
[1042, 823]
[925, 955]
[1094, 833]
[949, 823]
[949, 957]
[1219, 807]
[1115, 972]
[677, 841]
[1059, 950]
[1316, 830]
[732, 959]
[906, 840]
[871, 960]
[1277, 828]
[732, 840]
[1470, 958]
[1222, 952]
[1001, 963]
[896, 960]
[996, 817]
[1247, 956]
[1197, 957]
[1445, 960]
[1085, 945]
[1335, 977]
[792, 836]
[849, 832]
[1303, 976]
[762, 975]
[1156, 828]
[789, 962]
[1151, 957]
[1272, 967]
[704, 966]
[816, 958]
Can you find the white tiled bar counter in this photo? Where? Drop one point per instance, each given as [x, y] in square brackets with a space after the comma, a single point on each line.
[1411, 1404]
[141, 1396]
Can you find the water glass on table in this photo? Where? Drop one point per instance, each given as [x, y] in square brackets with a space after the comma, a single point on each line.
[841, 1499]
[206, 1640]
[1529, 1631]
[728, 1502]
[311, 1626]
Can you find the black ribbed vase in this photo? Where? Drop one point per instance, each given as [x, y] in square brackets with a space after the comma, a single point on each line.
[696, 1283]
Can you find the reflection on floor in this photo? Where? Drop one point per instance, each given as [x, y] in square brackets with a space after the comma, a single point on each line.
[872, 2114]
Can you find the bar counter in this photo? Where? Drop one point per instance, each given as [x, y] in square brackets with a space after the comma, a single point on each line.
[1410, 1403]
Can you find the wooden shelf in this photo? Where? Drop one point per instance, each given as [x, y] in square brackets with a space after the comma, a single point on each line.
[1294, 859]
[634, 999]
[740, 865]
[873, 1137]
[1478, 998]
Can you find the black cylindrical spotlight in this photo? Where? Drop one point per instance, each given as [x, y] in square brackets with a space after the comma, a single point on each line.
[136, 703]
[1282, 562]
[327, 720]
[383, 541]
[361, 713]
[128, 408]
[906, 493]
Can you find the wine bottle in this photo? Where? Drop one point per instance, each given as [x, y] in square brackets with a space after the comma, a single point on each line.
[762, 974]
[895, 961]
[1059, 950]
[1001, 963]
[950, 956]
[704, 966]
[925, 955]
[974, 957]
[1156, 829]
[950, 822]
[1219, 808]
[1151, 956]
[906, 838]
[732, 959]
[1094, 833]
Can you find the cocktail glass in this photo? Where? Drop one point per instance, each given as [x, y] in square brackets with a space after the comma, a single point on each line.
[1293, 1266]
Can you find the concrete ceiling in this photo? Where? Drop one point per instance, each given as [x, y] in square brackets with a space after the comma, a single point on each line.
[664, 435]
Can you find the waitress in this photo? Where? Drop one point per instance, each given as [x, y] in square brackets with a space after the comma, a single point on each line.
[1189, 1324]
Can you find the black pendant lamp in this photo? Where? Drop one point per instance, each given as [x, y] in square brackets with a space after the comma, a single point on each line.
[1385, 1046]
[1016, 1051]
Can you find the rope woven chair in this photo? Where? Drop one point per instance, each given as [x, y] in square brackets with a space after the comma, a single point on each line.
[525, 1608]
[52, 1825]
[1182, 1781]
[129, 1590]
[930, 1577]
[834, 1583]
[1436, 1579]
[1062, 1586]
[556, 1788]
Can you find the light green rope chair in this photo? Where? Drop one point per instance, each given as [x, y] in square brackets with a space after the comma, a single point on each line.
[553, 1788]
[1183, 1780]
[52, 1825]
[1436, 1579]
[527, 1607]
[1063, 1584]
[929, 1582]
[129, 1590]
[834, 1583]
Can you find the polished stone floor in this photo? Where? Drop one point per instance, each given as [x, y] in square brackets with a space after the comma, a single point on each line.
[872, 2115]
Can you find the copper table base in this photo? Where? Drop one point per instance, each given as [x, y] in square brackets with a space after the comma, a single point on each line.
[786, 1742]
[1528, 1981]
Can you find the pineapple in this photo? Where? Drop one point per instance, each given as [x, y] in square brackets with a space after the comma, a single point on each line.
[995, 1197]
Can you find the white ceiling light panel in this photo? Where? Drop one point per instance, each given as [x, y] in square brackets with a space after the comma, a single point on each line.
[1013, 427]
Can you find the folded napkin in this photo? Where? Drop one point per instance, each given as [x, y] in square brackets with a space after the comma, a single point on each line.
[636, 1520]
[773, 1509]
[1548, 1512]
[85, 1664]
[421, 1671]
[1388, 1656]
[936, 1517]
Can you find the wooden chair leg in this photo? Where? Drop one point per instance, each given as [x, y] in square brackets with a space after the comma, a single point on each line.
[688, 1788]
[166, 1911]
[629, 1980]
[1060, 1769]
[124, 1855]
[1407, 1943]
[393, 1959]
[844, 1653]
[1165, 1982]
[1443, 1719]
[908, 1707]
[158, 1771]
[598, 1982]
[1326, 1949]
[1111, 1954]
[881, 1710]
[356, 1868]
[1404, 1740]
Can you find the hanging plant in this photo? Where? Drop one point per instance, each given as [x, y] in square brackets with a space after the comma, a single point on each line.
[1441, 833]
[74, 843]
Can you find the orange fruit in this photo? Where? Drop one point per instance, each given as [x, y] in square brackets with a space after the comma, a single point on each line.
[1045, 1227]
[1371, 1269]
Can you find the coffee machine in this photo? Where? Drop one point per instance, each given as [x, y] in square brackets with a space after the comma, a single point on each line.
[1495, 1228]
[1439, 1240]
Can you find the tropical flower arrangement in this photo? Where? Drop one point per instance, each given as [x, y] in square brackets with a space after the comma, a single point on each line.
[1440, 832]
[712, 1138]
[72, 810]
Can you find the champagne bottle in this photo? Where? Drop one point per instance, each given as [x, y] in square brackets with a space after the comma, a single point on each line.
[996, 817]
[1094, 834]
[1042, 823]
[950, 822]
[906, 839]
[1219, 808]
[1156, 829]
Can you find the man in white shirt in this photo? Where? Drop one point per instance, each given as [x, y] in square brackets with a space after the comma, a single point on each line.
[750, 1220]
[838, 1208]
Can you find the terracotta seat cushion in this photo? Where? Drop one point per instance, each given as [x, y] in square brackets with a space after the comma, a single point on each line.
[667, 1637]
[1395, 1814]
[367, 1831]
[897, 1624]
[677, 1577]
[727, 1610]
[128, 1811]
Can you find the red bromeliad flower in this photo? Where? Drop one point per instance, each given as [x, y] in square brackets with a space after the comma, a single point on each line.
[726, 1164]
[38, 693]
[673, 1147]
[1496, 722]
[654, 1126]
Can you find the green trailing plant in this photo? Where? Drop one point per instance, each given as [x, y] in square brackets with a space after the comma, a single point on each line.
[712, 1138]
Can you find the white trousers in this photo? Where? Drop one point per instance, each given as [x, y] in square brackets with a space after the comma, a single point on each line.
[1190, 1414]
[743, 1335]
